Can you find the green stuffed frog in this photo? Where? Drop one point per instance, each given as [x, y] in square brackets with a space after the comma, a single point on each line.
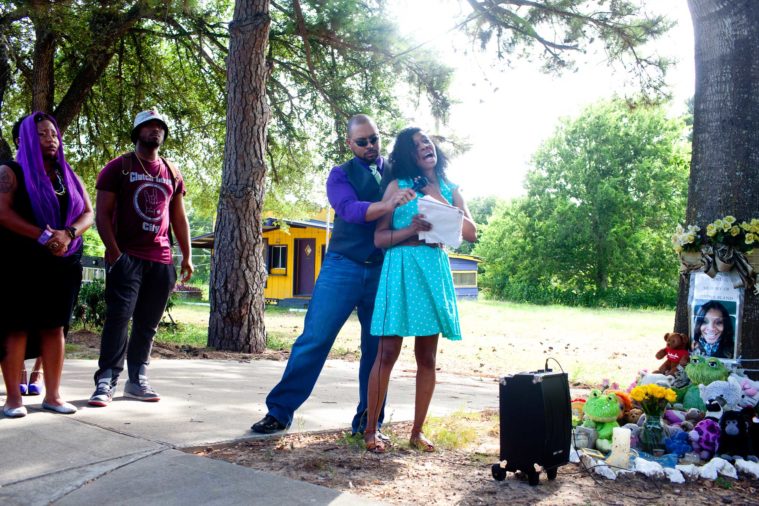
[601, 413]
[701, 371]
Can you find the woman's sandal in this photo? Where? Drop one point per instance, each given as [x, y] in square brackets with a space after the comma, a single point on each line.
[421, 443]
[35, 384]
[373, 443]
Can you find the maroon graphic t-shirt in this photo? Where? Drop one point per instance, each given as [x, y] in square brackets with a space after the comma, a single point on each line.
[141, 218]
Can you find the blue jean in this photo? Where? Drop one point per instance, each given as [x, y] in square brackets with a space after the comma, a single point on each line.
[343, 285]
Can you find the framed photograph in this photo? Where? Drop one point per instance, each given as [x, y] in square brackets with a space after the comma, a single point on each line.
[715, 307]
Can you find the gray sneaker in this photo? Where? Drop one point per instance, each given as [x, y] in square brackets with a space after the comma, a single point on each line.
[141, 391]
[103, 394]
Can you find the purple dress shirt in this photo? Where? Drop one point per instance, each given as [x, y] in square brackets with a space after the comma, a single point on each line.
[342, 197]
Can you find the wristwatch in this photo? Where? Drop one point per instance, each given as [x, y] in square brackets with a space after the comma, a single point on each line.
[72, 232]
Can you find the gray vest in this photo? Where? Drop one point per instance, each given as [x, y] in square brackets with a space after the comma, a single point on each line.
[355, 240]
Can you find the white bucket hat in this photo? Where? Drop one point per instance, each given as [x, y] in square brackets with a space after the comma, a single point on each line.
[145, 116]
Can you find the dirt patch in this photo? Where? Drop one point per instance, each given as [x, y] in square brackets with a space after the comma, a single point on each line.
[454, 476]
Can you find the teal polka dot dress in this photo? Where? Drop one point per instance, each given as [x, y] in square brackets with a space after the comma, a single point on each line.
[415, 295]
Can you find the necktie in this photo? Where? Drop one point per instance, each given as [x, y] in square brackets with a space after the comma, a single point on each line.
[375, 172]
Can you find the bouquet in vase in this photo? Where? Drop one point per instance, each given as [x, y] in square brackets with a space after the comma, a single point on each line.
[653, 399]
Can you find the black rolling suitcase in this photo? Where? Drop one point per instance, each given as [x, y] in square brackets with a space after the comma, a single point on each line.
[536, 424]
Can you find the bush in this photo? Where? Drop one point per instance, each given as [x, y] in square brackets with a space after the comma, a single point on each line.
[652, 297]
[90, 306]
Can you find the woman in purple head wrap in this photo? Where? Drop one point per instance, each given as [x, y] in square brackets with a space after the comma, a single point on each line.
[44, 210]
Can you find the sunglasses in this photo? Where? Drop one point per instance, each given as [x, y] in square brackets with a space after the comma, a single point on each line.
[362, 143]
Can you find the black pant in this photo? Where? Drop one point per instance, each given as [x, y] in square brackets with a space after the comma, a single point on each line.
[137, 289]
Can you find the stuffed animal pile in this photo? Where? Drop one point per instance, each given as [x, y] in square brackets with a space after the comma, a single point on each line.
[715, 415]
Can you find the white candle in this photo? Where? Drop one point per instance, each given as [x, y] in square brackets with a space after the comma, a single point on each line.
[620, 448]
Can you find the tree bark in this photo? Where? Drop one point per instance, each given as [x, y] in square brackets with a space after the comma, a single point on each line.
[238, 273]
[725, 163]
[5, 76]
[43, 70]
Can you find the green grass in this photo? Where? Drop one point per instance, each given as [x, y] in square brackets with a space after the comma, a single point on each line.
[279, 341]
[499, 338]
[457, 430]
[183, 334]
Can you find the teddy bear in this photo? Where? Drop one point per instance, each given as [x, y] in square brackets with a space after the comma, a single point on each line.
[632, 415]
[676, 353]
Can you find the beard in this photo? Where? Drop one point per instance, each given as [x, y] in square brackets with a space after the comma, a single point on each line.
[150, 143]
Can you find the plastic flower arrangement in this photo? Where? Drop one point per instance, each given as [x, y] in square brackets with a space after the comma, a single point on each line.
[653, 399]
[727, 231]
[687, 239]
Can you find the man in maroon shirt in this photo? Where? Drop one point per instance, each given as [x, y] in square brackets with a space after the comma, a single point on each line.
[139, 195]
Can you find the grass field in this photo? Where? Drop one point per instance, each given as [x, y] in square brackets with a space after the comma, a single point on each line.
[504, 338]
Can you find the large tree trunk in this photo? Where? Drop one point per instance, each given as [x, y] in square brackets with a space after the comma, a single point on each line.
[725, 165]
[238, 273]
[5, 77]
[43, 73]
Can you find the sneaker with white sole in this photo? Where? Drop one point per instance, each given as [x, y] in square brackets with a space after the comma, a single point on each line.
[141, 391]
[103, 394]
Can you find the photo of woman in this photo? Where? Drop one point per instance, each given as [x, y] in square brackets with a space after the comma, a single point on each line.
[714, 334]
[715, 307]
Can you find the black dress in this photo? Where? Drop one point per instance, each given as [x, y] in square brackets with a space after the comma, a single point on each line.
[38, 290]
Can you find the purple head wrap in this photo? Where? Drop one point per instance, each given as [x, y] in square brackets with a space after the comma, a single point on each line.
[47, 210]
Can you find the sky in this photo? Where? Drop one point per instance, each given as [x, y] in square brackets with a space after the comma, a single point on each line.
[504, 112]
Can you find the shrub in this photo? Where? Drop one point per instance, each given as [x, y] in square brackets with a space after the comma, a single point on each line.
[90, 306]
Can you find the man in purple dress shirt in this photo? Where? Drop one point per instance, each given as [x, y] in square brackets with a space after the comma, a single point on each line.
[347, 280]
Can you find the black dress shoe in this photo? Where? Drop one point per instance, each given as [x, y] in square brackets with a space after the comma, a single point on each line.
[268, 425]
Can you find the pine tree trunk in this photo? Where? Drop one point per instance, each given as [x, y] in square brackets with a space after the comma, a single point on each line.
[5, 78]
[238, 273]
[43, 70]
[725, 165]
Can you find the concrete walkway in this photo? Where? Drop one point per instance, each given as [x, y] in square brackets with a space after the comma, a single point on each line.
[127, 453]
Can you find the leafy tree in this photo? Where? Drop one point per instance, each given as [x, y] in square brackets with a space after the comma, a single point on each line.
[724, 176]
[95, 64]
[605, 193]
[557, 32]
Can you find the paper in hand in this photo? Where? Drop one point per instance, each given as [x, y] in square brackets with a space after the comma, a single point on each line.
[446, 222]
